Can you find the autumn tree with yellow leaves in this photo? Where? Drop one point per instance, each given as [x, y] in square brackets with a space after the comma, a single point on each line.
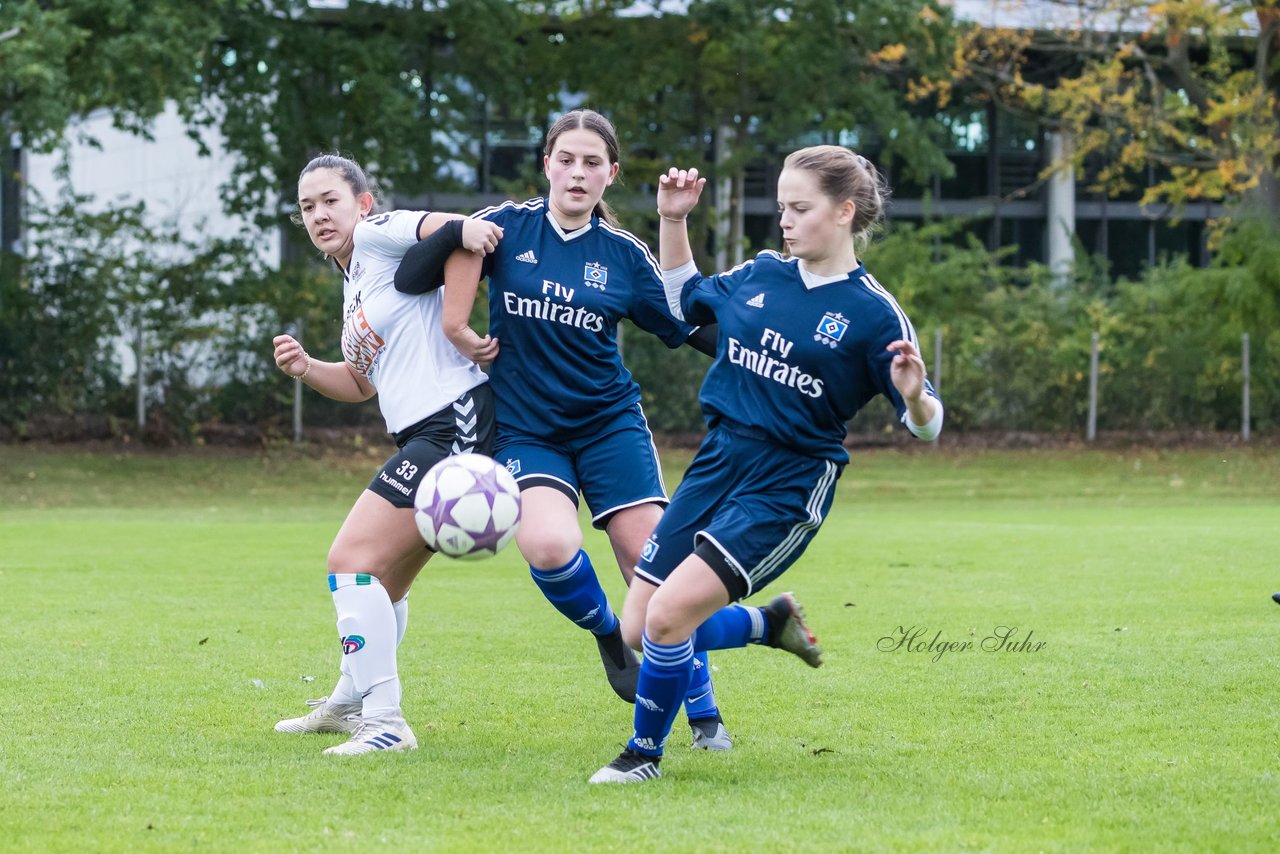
[1188, 87]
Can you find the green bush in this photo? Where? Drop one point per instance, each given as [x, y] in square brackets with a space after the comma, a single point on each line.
[1016, 341]
[1015, 352]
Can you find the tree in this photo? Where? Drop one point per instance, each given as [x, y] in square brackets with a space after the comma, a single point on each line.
[96, 278]
[1188, 87]
[400, 87]
[60, 60]
[738, 81]
[67, 58]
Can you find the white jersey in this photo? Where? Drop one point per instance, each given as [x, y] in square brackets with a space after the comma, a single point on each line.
[395, 340]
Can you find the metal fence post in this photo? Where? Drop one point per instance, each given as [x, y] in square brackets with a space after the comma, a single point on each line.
[297, 395]
[139, 353]
[1092, 429]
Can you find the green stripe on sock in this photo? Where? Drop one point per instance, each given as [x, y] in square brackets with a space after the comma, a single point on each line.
[363, 578]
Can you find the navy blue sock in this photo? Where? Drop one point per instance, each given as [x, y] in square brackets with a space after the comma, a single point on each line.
[700, 699]
[665, 673]
[575, 592]
[729, 628]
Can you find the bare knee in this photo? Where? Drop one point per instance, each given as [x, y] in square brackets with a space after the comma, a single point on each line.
[663, 622]
[344, 559]
[633, 634]
[548, 549]
[340, 560]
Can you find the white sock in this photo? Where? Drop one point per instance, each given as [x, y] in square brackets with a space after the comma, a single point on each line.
[402, 617]
[367, 627]
[345, 691]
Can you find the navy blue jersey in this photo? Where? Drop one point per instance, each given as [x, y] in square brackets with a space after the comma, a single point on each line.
[555, 299]
[798, 355]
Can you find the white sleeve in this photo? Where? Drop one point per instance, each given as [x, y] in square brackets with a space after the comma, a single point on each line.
[673, 283]
[389, 234]
[929, 431]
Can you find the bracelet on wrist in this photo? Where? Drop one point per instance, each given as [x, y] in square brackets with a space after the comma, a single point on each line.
[302, 376]
[670, 219]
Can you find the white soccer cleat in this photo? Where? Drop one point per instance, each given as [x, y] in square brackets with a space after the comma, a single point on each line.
[324, 717]
[629, 767]
[710, 734]
[377, 734]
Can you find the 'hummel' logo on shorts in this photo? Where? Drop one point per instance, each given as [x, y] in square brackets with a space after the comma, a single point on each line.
[756, 301]
[527, 257]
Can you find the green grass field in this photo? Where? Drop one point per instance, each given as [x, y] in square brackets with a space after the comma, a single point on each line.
[162, 611]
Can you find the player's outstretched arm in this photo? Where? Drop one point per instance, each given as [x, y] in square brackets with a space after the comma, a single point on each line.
[332, 379]
[461, 280]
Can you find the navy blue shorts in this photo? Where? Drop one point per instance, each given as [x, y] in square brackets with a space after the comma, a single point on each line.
[748, 507]
[614, 468]
[463, 427]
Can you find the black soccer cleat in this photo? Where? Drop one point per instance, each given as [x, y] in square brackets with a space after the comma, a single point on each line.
[629, 767]
[1276, 598]
[621, 665]
[787, 630]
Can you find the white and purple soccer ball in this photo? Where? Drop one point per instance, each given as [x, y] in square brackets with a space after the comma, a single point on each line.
[467, 506]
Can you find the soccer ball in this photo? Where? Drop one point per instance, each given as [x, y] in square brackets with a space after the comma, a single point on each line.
[467, 506]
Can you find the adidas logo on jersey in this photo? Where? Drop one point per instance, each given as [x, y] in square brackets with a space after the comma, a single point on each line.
[756, 301]
[527, 257]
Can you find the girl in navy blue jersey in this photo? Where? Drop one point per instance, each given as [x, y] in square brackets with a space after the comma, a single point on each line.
[805, 340]
[569, 417]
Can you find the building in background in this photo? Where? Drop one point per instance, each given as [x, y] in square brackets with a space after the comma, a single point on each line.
[179, 186]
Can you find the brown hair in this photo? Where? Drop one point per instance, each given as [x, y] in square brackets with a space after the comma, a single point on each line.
[585, 119]
[843, 174]
[348, 169]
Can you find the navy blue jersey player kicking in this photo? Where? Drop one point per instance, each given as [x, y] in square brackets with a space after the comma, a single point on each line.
[805, 340]
[569, 417]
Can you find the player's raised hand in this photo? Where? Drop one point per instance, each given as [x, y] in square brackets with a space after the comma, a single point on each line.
[678, 192]
[289, 355]
[907, 370]
[480, 236]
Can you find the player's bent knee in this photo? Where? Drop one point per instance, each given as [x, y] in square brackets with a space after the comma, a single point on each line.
[665, 625]
[631, 634]
[549, 549]
[342, 560]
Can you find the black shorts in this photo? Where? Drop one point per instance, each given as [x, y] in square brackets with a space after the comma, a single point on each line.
[465, 426]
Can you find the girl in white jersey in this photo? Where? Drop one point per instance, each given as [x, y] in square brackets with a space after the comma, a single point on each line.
[435, 402]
